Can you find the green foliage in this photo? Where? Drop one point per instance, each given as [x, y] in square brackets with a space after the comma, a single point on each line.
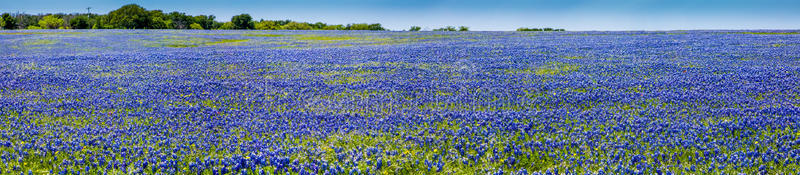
[364, 26]
[51, 22]
[318, 25]
[296, 26]
[243, 21]
[130, 16]
[8, 22]
[267, 25]
[207, 22]
[180, 20]
[448, 28]
[463, 28]
[100, 22]
[334, 27]
[133, 16]
[160, 23]
[227, 26]
[159, 20]
[196, 26]
[33, 27]
[293, 25]
[376, 26]
[79, 22]
[23, 20]
[524, 29]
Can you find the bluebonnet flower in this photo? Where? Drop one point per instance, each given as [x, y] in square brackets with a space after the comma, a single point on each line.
[676, 102]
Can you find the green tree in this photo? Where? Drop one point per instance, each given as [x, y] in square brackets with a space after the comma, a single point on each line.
[360, 26]
[333, 27]
[180, 20]
[463, 28]
[448, 28]
[267, 25]
[227, 26]
[159, 20]
[51, 22]
[25, 20]
[97, 21]
[8, 22]
[376, 26]
[364, 26]
[207, 22]
[296, 26]
[79, 22]
[283, 22]
[243, 21]
[318, 25]
[415, 28]
[196, 26]
[129, 16]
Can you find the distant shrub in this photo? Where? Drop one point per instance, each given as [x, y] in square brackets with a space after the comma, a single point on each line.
[448, 28]
[129, 16]
[267, 25]
[8, 22]
[196, 26]
[296, 26]
[51, 22]
[227, 26]
[243, 21]
[364, 26]
[415, 28]
[80, 22]
[333, 27]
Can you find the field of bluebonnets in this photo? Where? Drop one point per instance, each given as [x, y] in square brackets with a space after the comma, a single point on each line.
[336, 102]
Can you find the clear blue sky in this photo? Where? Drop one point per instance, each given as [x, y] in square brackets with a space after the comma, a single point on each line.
[478, 15]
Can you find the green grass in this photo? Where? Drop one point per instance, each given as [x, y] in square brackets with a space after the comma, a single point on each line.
[325, 38]
[780, 45]
[226, 41]
[39, 42]
[572, 57]
[185, 42]
[552, 68]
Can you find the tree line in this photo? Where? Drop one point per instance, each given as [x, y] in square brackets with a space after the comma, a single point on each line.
[133, 16]
[523, 29]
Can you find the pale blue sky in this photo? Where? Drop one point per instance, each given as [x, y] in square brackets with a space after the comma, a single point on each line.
[478, 15]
